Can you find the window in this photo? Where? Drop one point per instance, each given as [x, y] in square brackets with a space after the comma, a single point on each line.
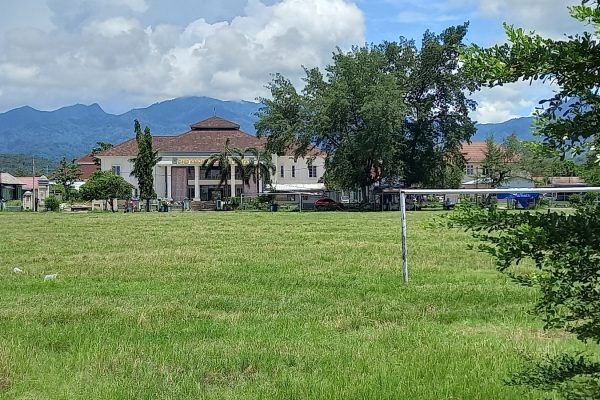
[469, 170]
[116, 169]
[484, 171]
[293, 171]
[281, 171]
[312, 171]
[191, 171]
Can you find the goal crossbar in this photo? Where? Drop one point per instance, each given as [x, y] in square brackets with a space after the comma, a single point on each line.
[405, 192]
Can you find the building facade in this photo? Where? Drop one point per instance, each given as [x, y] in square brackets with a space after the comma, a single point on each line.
[179, 174]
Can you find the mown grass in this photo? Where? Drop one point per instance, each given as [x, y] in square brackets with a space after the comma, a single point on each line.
[255, 306]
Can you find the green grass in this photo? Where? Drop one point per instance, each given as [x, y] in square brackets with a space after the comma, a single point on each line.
[255, 306]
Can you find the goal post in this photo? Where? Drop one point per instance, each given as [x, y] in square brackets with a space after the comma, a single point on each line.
[405, 192]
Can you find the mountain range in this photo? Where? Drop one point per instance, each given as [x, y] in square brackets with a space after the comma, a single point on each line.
[73, 131]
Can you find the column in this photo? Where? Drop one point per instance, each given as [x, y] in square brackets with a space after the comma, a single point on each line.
[169, 182]
[196, 183]
[232, 180]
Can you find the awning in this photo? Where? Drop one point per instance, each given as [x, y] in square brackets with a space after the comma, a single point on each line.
[306, 187]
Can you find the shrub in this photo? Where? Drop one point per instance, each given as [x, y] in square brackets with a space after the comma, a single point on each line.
[575, 199]
[52, 203]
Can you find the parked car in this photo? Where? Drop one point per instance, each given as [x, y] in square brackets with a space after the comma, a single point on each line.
[327, 204]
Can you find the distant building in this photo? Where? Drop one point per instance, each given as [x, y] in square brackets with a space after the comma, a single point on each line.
[179, 174]
[36, 189]
[11, 188]
[474, 154]
[87, 166]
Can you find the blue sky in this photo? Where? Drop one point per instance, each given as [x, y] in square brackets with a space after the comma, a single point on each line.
[131, 53]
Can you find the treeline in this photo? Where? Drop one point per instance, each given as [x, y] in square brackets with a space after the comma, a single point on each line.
[22, 164]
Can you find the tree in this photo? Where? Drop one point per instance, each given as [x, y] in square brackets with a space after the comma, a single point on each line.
[565, 248]
[144, 163]
[500, 162]
[385, 113]
[570, 119]
[65, 175]
[224, 160]
[105, 185]
[260, 168]
[100, 147]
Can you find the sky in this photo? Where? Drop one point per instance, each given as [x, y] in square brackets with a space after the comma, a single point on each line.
[132, 53]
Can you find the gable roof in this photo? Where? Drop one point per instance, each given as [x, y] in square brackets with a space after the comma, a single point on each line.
[473, 152]
[215, 123]
[208, 136]
[8, 179]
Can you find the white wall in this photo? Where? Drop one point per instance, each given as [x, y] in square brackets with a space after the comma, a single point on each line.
[106, 164]
[301, 170]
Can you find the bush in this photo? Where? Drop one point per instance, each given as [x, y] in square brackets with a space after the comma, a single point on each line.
[52, 203]
[575, 199]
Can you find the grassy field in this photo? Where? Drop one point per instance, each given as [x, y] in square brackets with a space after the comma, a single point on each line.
[255, 306]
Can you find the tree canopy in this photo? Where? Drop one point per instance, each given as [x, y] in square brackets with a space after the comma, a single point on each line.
[105, 185]
[65, 175]
[569, 121]
[563, 247]
[381, 113]
[144, 163]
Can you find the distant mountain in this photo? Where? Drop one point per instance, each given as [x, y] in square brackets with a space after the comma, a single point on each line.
[519, 126]
[73, 131]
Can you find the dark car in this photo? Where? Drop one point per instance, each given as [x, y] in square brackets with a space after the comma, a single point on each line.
[327, 204]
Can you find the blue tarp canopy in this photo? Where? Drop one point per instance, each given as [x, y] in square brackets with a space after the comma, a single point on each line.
[522, 198]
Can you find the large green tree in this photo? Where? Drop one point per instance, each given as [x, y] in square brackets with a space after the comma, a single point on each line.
[105, 185]
[564, 247]
[501, 160]
[386, 113]
[65, 175]
[569, 120]
[144, 163]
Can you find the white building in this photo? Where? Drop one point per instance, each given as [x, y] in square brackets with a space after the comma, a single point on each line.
[179, 174]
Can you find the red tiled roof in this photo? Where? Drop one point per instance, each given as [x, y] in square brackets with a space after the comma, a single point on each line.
[27, 181]
[87, 159]
[208, 136]
[87, 170]
[474, 152]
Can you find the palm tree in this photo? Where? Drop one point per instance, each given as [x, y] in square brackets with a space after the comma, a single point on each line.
[260, 168]
[223, 160]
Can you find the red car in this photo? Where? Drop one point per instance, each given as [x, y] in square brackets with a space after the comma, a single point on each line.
[329, 204]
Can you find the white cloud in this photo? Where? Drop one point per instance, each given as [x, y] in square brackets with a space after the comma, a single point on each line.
[509, 101]
[546, 17]
[104, 52]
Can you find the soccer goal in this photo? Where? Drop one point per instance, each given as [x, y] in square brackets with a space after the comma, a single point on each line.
[509, 191]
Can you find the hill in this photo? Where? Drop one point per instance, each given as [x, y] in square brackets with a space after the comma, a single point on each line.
[520, 126]
[74, 130]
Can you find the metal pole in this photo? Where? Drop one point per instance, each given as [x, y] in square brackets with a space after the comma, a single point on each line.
[404, 249]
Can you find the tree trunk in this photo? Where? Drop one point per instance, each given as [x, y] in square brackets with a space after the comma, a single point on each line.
[112, 204]
[365, 199]
[147, 205]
